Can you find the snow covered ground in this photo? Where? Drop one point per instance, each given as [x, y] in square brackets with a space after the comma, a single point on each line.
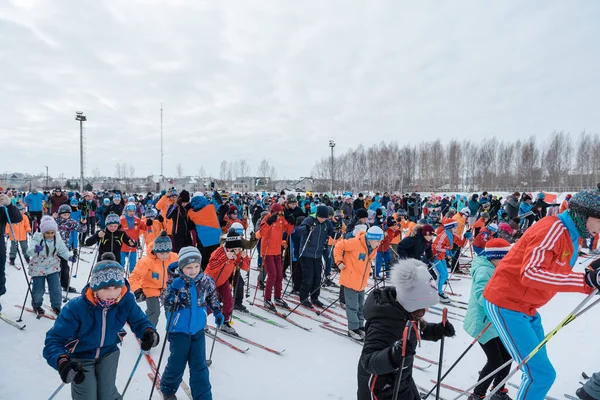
[315, 365]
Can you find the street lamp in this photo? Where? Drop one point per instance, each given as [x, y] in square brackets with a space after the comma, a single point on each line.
[81, 118]
[46, 176]
[332, 145]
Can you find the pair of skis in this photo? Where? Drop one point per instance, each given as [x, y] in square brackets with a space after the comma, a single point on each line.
[247, 341]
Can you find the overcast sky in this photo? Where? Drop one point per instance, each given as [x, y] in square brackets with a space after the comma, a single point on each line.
[279, 79]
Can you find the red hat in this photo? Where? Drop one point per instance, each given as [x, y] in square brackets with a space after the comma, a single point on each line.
[232, 209]
[496, 249]
[275, 208]
[427, 230]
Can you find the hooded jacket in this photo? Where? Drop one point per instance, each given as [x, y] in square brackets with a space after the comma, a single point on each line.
[355, 255]
[110, 243]
[151, 273]
[415, 247]
[312, 242]
[221, 268]
[476, 319]
[47, 261]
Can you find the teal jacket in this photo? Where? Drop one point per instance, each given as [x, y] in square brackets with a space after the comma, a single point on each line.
[476, 319]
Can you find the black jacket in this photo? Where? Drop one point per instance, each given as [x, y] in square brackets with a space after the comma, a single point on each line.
[114, 208]
[111, 243]
[358, 204]
[181, 230]
[378, 367]
[415, 247]
[15, 217]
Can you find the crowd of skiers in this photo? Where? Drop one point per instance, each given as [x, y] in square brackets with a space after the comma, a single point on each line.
[195, 246]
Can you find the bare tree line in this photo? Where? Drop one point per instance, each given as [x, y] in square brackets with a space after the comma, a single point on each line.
[560, 162]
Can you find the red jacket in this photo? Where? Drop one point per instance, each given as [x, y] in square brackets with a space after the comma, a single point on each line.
[482, 237]
[387, 239]
[132, 231]
[220, 268]
[535, 269]
[272, 235]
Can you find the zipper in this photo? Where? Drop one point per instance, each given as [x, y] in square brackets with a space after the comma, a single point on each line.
[163, 275]
[104, 312]
[319, 240]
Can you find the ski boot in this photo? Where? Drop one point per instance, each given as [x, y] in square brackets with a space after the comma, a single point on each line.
[474, 396]
[282, 303]
[169, 397]
[12, 262]
[268, 304]
[227, 328]
[582, 394]
[261, 285]
[363, 332]
[355, 334]
[501, 394]
[39, 311]
[306, 303]
[56, 310]
[296, 292]
[318, 303]
[71, 289]
[241, 308]
[444, 299]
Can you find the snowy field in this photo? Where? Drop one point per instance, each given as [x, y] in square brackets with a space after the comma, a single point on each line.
[316, 364]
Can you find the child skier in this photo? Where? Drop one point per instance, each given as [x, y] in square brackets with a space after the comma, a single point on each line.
[387, 311]
[384, 254]
[482, 269]
[83, 343]
[132, 226]
[353, 257]
[149, 278]
[537, 267]
[100, 213]
[69, 231]
[21, 230]
[110, 239]
[221, 267]
[194, 292]
[485, 234]
[442, 248]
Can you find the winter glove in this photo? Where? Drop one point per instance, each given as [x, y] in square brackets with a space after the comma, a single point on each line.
[440, 330]
[468, 235]
[150, 339]
[272, 219]
[160, 218]
[219, 318]
[178, 283]
[290, 219]
[139, 295]
[148, 222]
[70, 371]
[39, 248]
[73, 258]
[396, 352]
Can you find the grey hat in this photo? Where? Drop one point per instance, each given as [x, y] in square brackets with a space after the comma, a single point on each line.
[188, 255]
[413, 291]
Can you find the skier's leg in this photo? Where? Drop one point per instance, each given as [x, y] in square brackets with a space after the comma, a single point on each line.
[352, 305]
[88, 389]
[199, 375]
[106, 375]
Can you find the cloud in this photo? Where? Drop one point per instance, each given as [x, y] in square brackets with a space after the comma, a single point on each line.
[279, 79]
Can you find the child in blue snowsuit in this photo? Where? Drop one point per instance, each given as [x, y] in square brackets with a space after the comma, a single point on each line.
[194, 292]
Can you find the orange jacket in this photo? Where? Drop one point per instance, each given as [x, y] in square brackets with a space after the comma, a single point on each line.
[150, 273]
[272, 235]
[229, 222]
[21, 230]
[163, 206]
[152, 232]
[563, 206]
[535, 269]
[220, 268]
[396, 238]
[480, 223]
[406, 226]
[461, 224]
[133, 232]
[357, 259]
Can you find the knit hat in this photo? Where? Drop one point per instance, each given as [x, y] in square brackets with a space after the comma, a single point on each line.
[20, 206]
[234, 239]
[172, 192]
[496, 249]
[232, 209]
[449, 223]
[184, 196]
[485, 215]
[131, 199]
[188, 255]
[361, 213]
[105, 274]
[116, 196]
[466, 211]
[64, 209]
[291, 198]
[413, 291]
[330, 211]
[583, 205]
[111, 219]
[359, 228]
[108, 256]
[275, 208]
[493, 227]
[239, 228]
[106, 202]
[48, 224]
[374, 233]
[427, 230]
[130, 207]
[391, 221]
[162, 243]
[322, 212]
[402, 212]
[74, 201]
[150, 213]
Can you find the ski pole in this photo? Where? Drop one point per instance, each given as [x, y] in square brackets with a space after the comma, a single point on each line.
[310, 294]
[212, 347]
[405, 339]
[132, 372]
[441, 360]
[458, 360]
[162, 351]
[66, 298]
[319, 312]
[58, 389]
[568, 319]
[94, 260]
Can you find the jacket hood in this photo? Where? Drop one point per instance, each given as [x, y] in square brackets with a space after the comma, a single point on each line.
[382, 306]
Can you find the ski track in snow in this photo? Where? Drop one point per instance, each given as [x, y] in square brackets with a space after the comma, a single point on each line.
[315, 365]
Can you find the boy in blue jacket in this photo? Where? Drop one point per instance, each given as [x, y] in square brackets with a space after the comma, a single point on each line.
[82, 344]
[194, 292]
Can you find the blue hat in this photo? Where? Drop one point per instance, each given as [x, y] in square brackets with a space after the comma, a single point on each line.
[374, 233]
[162, 244]
[150, 213]
[130, 207]
[106, 202]
[111, 219]
[74, 202]
[105, 274]
[116, 196]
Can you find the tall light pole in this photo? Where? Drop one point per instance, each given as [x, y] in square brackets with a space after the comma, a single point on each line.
[81, 118]
[161, 148]
[46, 176]
[332, 145]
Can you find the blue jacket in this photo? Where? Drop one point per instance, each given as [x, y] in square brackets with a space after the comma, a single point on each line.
[524, 208]
[190, 314]
[476, 319]
[86, 330]
[316, 238]
[34, 201]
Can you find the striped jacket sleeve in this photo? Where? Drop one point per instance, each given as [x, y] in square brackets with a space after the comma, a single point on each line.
[540, 269]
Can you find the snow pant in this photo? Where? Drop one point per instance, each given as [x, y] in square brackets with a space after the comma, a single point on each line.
[65, 271]
[285, 259]
[296, 275]
[38, 287]
[520, 334]
[383, 257]
[238, 287]
[131, 256]
[14, 248]
[342, 295]
[205, 252]
[274, 276]
[227, 299]
[441, 269]
[478, 251]
[100, 379]
[354, 308]
[37, 217]
[2, 267]
[327, 260]
[311, 278]
[496, 356]
[187, 349]
[90, 228]
[153, 310]
[592, 386]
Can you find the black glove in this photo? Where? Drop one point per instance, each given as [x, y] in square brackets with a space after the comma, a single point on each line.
[396, 352]
[440, 330]
[148, 222]
[160, 218]
[290, 219]
[272, 219]
[149, 340]
[139, 295]
[70, 371]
